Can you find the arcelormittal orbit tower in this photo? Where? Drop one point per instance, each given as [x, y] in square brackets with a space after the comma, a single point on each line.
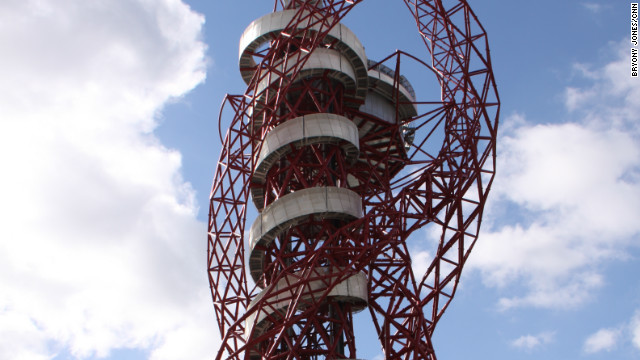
[330, 165]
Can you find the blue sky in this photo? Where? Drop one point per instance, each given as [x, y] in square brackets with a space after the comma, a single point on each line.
[108, 139]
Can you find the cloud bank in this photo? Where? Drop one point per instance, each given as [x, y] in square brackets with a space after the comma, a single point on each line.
[565, 197]
[100, 248]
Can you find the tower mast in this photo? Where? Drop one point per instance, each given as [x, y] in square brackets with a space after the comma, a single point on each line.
[337, 155]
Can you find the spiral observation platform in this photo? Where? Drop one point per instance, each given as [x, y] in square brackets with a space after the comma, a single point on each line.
[340, 162]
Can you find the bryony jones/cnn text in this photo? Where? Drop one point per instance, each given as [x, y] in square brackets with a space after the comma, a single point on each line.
[634, 40]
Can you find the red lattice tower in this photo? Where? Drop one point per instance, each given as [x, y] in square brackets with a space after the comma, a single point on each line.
[343, 164]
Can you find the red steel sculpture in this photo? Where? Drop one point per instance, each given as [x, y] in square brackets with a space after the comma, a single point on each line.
[343, 163]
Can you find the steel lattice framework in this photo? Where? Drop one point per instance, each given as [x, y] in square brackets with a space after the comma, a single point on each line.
[343, 164]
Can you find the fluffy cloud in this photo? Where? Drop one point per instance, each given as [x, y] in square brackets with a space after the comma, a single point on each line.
[602, 340]
[530, 342]
[564, 200]
[635, 330]
[607, 339]
[100, 248]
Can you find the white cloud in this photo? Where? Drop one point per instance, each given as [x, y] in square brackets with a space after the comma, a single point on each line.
[21, 337]
[594, 8]
[607, 339]
[574, 97]
[564, 200]
[530, 342]
[100, 248]
[609, 101]
[420, 261]
[602, 340]
[635, 330]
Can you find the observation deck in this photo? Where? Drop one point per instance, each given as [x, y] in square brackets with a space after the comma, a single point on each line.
[325, 142]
